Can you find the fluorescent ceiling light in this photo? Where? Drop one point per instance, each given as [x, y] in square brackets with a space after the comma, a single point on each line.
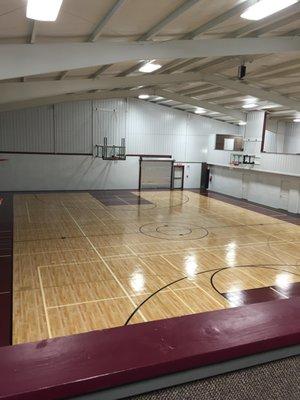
[200, 110]
[43, 10]
[296, 120]
[264, 8]
[242, 123]
[144, 96]
[249, 105]
[149, 67]
[250, 99]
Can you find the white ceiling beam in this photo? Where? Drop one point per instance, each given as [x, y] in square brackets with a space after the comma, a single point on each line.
[169, 18]
[63, 75]
[103, 21]
[210, 25]
[249, 90]
[182, 64]
[236, 115]
[158, 27]
[73, 97]
[275, 25]
[250, 30]
[97, 32]
[17, 91]
[266, 69]
[33, 32]
[190, 90]
[237, 10]
[267, 24]
[285, 74]
[100, 71]
[25, 60]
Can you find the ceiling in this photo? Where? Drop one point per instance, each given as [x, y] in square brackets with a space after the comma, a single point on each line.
[270, 77]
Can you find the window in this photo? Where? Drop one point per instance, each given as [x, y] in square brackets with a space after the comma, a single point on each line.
[229, 143]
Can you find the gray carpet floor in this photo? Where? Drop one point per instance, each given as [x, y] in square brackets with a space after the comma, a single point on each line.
[278, 380]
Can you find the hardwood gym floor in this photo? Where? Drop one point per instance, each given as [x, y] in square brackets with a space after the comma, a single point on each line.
[94, 260]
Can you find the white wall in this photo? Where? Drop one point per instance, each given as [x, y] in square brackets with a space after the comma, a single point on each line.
[275, 182]
[59, 172]
[77, 127]
[282, 137]
[292, 138]
[278, 191]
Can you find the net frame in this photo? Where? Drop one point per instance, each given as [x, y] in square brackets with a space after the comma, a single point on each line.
[111, 152]
[158, 160]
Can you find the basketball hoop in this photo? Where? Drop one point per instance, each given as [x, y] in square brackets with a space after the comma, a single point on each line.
[113, 153]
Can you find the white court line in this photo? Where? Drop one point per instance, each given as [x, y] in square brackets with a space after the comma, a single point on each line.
[176, 295]
[28, 214]
[44, 304]
[262, 283]
[105, 263]
[130, 249]
[199, 287]
[86, 302]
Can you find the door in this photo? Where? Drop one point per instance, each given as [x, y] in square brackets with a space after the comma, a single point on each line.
[178, 177]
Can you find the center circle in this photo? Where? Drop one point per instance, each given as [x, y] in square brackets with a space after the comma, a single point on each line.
[174, 230]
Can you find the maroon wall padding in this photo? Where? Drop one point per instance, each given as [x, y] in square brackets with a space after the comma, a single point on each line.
[6, 252]
[79, 364]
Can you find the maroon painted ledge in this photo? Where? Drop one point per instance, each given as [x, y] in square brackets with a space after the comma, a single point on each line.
[79, 364]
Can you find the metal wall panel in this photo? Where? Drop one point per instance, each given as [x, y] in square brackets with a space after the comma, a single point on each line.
[200, 125]
[73, 127]
[148, 128]
[292, 138]
[29, 130]
[109, 120]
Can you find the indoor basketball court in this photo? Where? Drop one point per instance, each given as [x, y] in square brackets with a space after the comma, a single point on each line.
[81, 263]
[149, 199]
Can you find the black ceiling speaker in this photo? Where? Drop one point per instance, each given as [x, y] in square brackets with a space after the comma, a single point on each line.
[241, 71]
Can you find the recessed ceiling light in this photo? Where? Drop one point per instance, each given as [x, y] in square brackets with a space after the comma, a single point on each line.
[242, 123]
[149, 67]
[199, 110]
[296, 120]
[250, 99]
[264, 8]
[249, 105]
[43, 10]
[144, 96]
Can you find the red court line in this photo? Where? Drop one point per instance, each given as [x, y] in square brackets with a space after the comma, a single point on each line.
[79, 364]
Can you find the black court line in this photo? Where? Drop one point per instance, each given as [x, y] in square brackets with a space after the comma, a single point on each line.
[206, 232]
[138, 230]
[215, 270]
